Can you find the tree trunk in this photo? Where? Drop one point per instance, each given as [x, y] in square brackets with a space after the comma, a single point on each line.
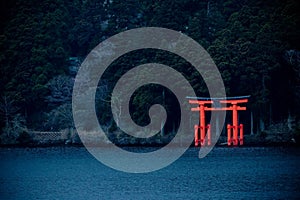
[290, 122]
[261, 124]
[162, 132]
[217, 125]
[251, 123]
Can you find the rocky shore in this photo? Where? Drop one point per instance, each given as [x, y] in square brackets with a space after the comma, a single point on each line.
[263, 139]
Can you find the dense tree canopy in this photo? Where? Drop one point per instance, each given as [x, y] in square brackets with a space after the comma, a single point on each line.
[255, 45]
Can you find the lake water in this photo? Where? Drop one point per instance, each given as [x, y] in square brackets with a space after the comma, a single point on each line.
[72, 173]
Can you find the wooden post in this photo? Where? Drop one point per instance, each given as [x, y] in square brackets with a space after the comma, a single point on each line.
[241, 134]
[208, 135]
[251, 122]
[218, 126]
[196, 135]
[235, 124]
[202, 125]
[228, 134]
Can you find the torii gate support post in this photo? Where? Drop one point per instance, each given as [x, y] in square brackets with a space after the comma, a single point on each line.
[229, 135]
[202, 125]
[235, 124]
[202, 128]
[232, 139]
[196, 129]
[241, 134]
[208, 135]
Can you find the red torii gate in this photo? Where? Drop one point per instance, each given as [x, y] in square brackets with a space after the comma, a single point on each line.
[233, 105]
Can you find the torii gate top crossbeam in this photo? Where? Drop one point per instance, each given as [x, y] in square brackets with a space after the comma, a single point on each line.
[233, 101]
[219, 98]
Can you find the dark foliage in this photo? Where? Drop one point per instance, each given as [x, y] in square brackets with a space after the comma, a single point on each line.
[255, 45]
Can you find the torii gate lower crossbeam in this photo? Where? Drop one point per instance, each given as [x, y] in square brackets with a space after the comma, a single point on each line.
[231, 104]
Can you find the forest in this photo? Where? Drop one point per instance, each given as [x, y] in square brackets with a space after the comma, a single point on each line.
[254, 43]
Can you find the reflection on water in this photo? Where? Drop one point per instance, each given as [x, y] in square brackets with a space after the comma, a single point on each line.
[72, 173]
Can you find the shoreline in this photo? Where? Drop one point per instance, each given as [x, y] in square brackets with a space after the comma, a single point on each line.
[257, 140]
[218, 145]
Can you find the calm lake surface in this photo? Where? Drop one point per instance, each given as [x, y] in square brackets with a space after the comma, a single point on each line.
[72, 173]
